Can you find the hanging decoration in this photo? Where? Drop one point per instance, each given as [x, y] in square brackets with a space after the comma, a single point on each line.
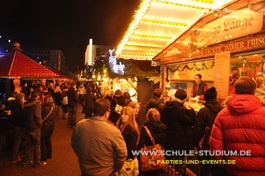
[194, 66]
[246, 63]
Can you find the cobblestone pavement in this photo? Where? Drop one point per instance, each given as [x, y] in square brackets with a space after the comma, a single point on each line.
[64, 161]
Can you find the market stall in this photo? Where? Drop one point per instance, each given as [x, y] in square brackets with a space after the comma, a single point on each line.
[232, 38]
[16, 65]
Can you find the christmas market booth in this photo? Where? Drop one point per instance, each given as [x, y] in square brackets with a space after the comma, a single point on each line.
[225, 44]
[16, 66]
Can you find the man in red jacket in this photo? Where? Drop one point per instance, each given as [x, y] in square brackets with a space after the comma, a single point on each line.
[241, 127]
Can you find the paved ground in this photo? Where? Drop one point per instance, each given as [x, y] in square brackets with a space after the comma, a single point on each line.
[63, 163]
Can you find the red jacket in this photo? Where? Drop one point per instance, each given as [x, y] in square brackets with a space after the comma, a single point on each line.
[241, 126]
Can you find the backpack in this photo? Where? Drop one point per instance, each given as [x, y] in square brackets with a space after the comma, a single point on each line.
[65, 100]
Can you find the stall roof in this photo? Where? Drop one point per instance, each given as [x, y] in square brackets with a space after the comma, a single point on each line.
[16, 64]
[60, 74]
[158, 23]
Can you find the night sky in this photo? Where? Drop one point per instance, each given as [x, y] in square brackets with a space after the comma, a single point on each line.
[66, 24]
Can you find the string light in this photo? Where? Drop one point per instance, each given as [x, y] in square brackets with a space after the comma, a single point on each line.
[140, 29]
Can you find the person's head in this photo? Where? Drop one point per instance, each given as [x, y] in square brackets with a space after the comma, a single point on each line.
[153, 115]
[198, 78]
[2, 106]
[50, 86]
[127, 118]
[117, 93]
[260, 82]
[108, 93]
[20, 97]
[135, 105]
[102, 108]
[210, 94]
[48, 99]
[89, 90]
[158, 93]
[245, 85]
[57, 89]
[34, 94]
[127, 95]
[181, 94]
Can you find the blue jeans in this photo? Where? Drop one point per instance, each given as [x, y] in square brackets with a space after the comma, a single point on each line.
[18, 136]
[33, 141]
[72, 116]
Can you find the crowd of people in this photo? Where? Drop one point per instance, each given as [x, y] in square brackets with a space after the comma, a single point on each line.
[175, 126]
[111, 130]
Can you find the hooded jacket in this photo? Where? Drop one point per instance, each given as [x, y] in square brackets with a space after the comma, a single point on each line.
[158, 131]
[47, 125]
[33, 114]
[156, 103]
[204, 122]
[241, 126]
[178, 121]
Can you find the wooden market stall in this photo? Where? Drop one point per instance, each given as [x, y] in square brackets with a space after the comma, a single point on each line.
[17, 65]
[209, 37]
[233, 37]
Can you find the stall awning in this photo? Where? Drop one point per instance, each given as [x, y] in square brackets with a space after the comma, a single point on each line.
[16, 64]
[158, 23]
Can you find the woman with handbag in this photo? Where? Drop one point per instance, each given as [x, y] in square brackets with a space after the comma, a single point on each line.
[153, 128]
[48, 115]
[129, 130]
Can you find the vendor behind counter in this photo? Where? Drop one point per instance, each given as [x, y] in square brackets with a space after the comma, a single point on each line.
[199, 87]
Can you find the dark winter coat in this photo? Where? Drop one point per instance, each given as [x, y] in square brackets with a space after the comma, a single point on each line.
[47, 125]
[33, 114]
[17, 114]
[178, 121]
[4, 122]
[57, 96]
[204, 122]
[114, 116]
[158, 131]
[130, 136]
[241, 126]
[72, 97]
[88, 103]
[127, 101]
[120, 100]
[155, 103]
[112, 103]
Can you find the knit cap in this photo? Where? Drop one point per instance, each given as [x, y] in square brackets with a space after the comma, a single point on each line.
[210, 94]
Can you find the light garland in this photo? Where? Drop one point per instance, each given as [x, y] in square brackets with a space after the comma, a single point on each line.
[246, 62]
[164, 23]
[180, 4]
[193, 67]
[144, 6]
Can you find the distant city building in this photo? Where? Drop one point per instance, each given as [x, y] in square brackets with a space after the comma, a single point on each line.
[54, 58]
[97, 52]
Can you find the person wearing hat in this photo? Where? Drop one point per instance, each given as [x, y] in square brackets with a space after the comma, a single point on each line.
[157, 101]
[179, 119]
[241, 126]
[203, 125]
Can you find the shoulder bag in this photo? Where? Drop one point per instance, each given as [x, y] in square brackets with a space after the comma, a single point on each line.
[153, 158]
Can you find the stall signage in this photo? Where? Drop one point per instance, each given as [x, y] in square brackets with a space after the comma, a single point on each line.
[221, 73]
[234, 25]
